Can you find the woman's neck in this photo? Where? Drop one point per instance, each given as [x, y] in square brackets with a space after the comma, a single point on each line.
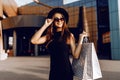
[59, 29]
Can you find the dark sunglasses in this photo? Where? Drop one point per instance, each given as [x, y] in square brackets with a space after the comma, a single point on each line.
[58, 19]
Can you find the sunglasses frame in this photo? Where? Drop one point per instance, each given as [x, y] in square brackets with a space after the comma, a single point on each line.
[59, 19]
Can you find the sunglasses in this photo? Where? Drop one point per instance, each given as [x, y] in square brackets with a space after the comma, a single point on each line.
[58, 19]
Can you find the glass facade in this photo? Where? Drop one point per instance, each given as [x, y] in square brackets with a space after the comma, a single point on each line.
[114, 11]
[97, 15]
[104, 50]
[102, 19]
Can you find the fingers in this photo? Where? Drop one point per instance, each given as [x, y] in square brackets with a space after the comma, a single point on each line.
[48, 22]
[84, 34]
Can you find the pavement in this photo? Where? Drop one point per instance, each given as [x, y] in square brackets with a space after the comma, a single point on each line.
[37, 68]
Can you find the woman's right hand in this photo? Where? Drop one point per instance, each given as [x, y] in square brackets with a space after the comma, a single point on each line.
[83, 34]
[48, 22]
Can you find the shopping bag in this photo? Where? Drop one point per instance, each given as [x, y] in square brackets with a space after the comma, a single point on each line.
[87, 67]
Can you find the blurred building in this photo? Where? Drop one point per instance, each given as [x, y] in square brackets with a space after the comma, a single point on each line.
[102, 17]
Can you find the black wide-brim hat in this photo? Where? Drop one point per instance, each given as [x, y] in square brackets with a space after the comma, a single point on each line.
[59, 10]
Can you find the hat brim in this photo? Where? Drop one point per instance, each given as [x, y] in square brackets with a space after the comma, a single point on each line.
[59, 10]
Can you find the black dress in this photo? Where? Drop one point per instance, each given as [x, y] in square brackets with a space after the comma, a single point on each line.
[60, 67]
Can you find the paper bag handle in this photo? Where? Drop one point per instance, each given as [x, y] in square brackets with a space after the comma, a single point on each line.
[86, 39]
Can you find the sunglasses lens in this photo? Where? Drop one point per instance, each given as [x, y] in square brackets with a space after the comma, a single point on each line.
[57, 19]
[62, 19]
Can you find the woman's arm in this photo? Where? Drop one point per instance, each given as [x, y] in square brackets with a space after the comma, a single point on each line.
[72, 44]
[37, 38]
[77, 48]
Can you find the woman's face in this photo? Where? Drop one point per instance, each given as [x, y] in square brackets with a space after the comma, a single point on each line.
[58, 20]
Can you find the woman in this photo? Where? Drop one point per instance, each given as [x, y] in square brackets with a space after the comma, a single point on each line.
[59, 42]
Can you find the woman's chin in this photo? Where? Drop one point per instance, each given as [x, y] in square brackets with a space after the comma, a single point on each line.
[60, 26]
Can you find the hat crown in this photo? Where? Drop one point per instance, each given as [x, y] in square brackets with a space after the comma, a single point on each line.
[59, 10]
